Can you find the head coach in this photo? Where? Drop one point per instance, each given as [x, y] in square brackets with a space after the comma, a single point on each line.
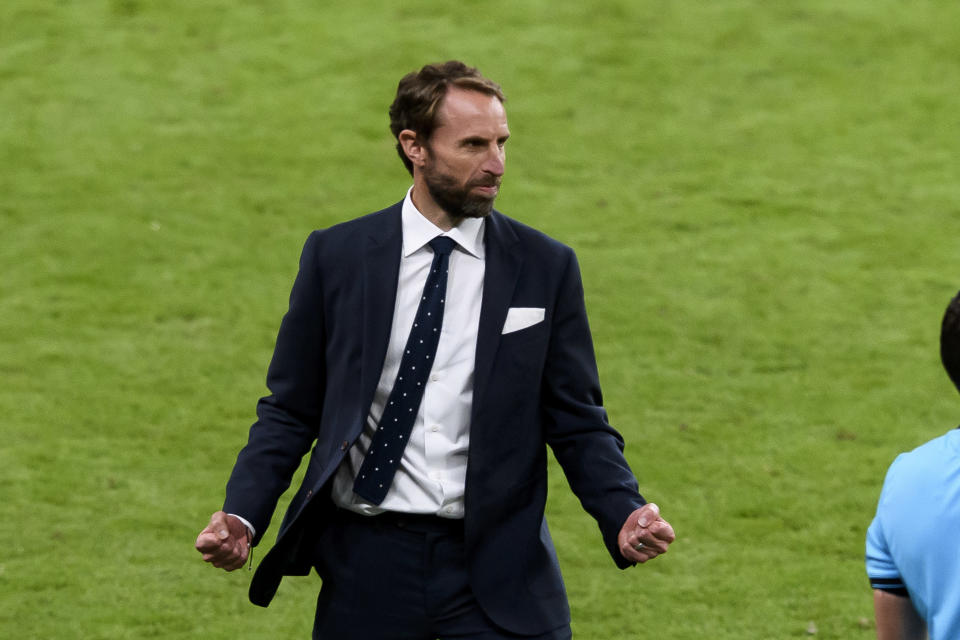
[430, 354]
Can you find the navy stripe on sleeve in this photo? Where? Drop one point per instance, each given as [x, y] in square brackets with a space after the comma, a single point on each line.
[890, 585]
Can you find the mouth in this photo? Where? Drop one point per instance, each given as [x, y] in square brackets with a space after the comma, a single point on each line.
[489, 190]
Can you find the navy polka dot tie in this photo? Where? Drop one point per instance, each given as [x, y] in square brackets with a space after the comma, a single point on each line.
[386, 449]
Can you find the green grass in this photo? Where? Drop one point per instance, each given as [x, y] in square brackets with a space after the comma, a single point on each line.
[765, 202]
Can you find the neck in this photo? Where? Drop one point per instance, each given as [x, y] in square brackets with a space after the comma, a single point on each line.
[429, 208]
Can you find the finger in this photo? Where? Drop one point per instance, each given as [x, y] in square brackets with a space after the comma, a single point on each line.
[211, 541]
[649, 547]
[240, 560]
[658, 533]
[649, 542]
[635, 547]
[224, 559]
[648, 514]
[224, 563]
[233, 566]
[656, 546]
[219, 525]
[630, 553]
[218, 554]
[662, 530]
[208, 542]
[229, 564]
[649, 552]
[232, 558]
[641, 555]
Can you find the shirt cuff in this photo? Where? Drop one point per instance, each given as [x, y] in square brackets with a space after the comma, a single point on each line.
[253, 532]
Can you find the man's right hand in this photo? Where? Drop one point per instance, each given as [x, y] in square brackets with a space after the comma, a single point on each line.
[225, 542]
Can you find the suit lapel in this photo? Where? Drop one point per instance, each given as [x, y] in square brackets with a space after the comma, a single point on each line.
[380, 268]
[502, 269]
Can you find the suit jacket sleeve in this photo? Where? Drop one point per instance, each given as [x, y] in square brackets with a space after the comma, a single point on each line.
[586, 446]
[288, 418]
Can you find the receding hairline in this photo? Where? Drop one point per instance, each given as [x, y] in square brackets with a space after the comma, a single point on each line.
[438, 119]
[420, 94]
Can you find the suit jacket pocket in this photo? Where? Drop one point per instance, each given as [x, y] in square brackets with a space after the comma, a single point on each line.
[526, 348]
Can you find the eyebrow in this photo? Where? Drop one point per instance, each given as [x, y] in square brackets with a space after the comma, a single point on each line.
[472, 139]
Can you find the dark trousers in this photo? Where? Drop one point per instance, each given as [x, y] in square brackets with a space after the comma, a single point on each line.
[396, 577]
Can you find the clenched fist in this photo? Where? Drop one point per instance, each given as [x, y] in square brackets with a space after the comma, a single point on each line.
[225, 542]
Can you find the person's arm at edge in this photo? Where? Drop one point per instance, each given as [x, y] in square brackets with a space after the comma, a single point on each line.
[897, 619]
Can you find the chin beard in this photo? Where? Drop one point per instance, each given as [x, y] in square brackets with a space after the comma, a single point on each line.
[457, 201]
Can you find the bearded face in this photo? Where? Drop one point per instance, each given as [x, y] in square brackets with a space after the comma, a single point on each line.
[474, 199]
[458, 167]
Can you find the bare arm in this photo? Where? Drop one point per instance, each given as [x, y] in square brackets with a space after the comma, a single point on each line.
[896, 617]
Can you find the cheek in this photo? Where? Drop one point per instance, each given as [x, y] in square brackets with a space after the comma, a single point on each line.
[461, 170]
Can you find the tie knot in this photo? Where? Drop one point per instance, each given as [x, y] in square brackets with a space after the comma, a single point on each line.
[442, 245]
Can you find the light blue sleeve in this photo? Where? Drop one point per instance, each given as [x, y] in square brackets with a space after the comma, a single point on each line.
[881, 568]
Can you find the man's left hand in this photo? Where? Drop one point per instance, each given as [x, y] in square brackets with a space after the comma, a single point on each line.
[645, 535]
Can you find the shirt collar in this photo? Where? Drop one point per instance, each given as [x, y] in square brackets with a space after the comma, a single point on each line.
[418, 231]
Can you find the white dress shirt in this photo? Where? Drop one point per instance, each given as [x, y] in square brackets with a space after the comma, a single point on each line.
[432, 472]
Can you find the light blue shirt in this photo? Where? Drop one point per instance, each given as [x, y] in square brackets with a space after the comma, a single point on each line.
[914, 540]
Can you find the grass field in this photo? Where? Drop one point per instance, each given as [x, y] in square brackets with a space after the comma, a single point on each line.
[764, 198]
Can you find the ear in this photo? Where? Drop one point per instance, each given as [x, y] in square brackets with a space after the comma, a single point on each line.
[413, 147]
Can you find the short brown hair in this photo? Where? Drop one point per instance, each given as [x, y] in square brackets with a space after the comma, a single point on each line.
[420, 93]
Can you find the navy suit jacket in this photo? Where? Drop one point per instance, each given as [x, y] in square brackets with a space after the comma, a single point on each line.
[534, 387]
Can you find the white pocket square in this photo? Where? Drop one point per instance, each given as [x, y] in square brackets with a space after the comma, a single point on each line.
[521, 318]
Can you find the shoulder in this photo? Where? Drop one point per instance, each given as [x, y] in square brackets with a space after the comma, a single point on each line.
[914, 474]
[930, 456]
[364, 225]
[350, 235]
[531, 239]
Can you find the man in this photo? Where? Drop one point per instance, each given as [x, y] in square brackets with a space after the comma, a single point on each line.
[430, 352]
[912, 558]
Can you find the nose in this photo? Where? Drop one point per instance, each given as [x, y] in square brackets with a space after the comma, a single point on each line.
[494, 162]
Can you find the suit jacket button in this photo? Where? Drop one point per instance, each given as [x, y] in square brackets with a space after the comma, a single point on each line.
[309, 493]
[344, 446]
